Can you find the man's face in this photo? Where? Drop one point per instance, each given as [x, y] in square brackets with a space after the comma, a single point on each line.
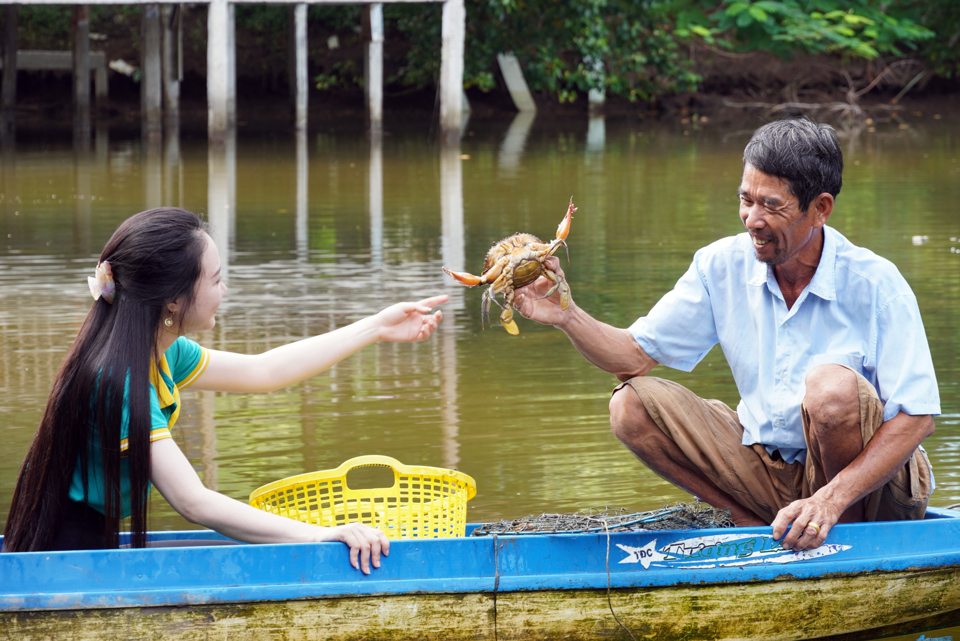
[772, 216]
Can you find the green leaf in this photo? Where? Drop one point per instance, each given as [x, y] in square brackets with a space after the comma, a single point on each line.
[744, 19]
[700, 31]
[758, 14]
[736, 8]
[845, 31]
[834, 15]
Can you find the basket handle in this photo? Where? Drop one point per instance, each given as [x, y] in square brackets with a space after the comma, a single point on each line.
[372, 460]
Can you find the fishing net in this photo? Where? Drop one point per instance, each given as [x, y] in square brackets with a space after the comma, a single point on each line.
[679, 516]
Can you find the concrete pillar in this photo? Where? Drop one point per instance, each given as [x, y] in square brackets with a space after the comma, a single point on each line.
[171, 64]
[373, 65]
[512, 74]
[151, 78]
[8, 103]
[218, 66]
[81, 69]
[453, 35]
[231, 65]
[300, 43]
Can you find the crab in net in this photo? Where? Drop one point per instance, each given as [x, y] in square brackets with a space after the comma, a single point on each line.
[516, 261]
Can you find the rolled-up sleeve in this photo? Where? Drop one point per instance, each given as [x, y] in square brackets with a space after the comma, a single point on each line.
[906, 379]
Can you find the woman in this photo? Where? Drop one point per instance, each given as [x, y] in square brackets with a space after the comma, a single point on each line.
[93, 459]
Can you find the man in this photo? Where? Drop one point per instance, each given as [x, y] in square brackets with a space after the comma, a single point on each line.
[826, 346]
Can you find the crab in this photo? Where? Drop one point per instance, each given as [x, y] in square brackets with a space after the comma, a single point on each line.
[516, 261]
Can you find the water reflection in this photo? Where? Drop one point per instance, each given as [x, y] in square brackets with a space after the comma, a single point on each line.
[511, 149]
[375, 196]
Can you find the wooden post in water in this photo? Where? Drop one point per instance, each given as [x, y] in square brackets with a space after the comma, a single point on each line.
[300, 38]
[231, 65]
[8, 103]
[453, 34]
[81, 69]
[151, 74]
[171, 64]
[373, 66]
[218, 66]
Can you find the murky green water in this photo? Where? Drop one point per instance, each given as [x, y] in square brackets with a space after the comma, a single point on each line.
[323, 231]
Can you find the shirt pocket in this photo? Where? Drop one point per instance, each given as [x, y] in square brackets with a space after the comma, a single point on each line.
[853, 361]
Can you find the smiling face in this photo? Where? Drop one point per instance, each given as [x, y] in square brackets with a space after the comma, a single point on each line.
[780, 230]
[209, 292]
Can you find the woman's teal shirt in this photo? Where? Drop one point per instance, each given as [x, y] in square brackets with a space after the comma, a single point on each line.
[180, 365]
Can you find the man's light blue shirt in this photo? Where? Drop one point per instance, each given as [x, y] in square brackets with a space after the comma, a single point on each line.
[857, 311]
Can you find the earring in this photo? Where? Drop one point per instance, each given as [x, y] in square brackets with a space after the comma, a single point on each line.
[169, 321]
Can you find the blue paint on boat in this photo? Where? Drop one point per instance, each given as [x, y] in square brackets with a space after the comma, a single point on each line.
[172, 576]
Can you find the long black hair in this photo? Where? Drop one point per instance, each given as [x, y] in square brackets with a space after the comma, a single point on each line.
[156, 259]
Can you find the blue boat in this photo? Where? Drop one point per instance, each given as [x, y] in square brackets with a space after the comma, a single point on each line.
[867, 580]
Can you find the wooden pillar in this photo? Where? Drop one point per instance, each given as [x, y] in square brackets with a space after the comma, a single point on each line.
[171, 64]
[373, 65]
[300, 64]
[81, 69]
[218, 55]
[8, 103]
[151, 78]
[453, 35]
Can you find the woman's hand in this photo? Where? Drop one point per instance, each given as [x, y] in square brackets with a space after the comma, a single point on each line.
[405, 322]
[366, 544]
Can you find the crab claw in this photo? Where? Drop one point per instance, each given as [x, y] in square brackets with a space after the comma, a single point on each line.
[465, 279]
[564, 227]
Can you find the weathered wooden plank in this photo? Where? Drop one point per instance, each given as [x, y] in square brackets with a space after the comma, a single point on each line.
[838, 607]
[432, 617]
[42, 60]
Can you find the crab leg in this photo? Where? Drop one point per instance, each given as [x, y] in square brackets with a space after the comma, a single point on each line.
[472, 281]
[564, 228]
[506, 316]
[558, 283]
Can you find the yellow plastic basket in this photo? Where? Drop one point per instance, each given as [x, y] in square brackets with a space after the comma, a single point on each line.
[424, 502]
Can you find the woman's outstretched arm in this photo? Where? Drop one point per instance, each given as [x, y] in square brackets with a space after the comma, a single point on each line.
[294, 362]
[174, 477]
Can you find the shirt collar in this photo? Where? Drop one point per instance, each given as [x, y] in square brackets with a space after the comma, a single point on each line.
[162, 381]
[824, 282]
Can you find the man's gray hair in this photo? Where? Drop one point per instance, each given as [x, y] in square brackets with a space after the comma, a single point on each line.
[805, 154]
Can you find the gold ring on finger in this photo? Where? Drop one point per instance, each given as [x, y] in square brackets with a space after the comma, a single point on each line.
[814, 526]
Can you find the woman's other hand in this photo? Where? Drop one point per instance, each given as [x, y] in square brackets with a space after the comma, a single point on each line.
[405, 322]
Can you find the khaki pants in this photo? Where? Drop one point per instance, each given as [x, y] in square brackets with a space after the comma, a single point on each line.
[710, 435]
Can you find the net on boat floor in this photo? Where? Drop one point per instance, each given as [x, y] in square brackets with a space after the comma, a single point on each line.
[680, 516]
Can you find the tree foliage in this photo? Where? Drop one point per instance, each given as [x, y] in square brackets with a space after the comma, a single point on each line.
[638, 50]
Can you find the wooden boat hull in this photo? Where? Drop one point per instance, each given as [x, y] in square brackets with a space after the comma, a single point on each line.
[881, 579]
